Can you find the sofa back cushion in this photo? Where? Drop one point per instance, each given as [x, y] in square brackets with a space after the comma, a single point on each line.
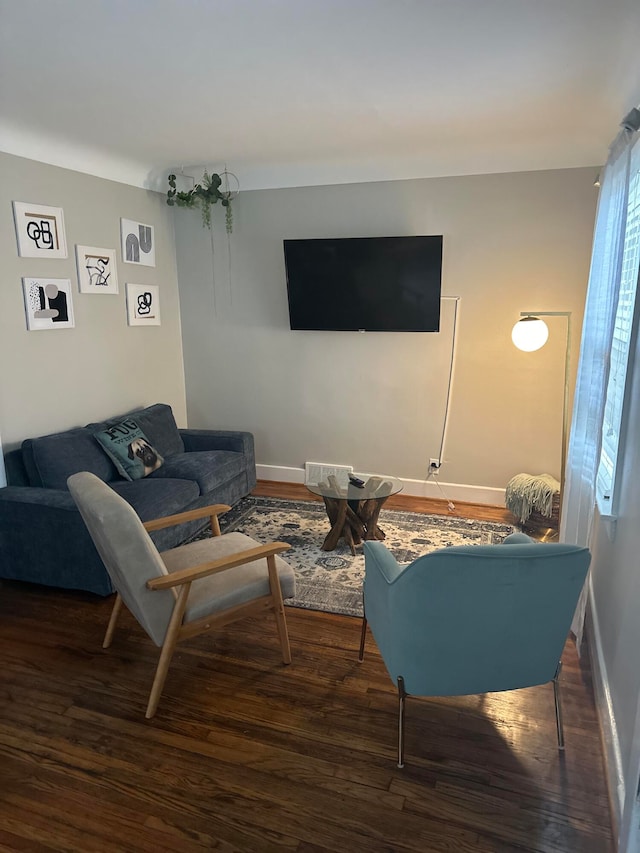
[51, 459]
[156, 422]
[15, 468]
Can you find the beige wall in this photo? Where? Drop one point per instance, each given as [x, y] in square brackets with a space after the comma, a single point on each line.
[51, 380]
[512, 242]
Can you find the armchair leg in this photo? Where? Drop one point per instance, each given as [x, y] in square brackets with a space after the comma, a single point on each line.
[402, 695]
[556, 696]
[117, 606]
[168, 647]
[278, 609]
[215, 526]
[363, 637]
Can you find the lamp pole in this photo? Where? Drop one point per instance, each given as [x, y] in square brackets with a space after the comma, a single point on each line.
[565, 402]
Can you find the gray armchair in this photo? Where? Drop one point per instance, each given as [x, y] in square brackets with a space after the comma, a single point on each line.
[186, 590]
[473, 618]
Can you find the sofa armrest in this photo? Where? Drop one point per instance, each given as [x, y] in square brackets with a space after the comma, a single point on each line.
[59, 499]
[15, 468]
[217, 439]
[44, 540]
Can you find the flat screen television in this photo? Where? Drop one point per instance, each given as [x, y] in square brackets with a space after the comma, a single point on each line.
[371, 284]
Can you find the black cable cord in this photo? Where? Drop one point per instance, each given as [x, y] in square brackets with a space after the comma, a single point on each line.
[453, 351]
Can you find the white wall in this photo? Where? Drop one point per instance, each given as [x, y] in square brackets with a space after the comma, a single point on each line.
[615, 606]
[51, 380]
[512, 242]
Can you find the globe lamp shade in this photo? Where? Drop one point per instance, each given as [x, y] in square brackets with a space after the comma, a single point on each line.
[530, 334]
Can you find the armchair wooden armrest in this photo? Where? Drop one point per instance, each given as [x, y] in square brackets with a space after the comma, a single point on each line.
[210, 568]
[213, 511]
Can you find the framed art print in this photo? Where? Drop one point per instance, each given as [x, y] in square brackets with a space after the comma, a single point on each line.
[97, 271]
[40, 230]
[138, 243]
[143, 305]
[47, 303]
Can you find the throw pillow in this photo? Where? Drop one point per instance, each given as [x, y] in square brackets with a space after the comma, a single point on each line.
[130, 450]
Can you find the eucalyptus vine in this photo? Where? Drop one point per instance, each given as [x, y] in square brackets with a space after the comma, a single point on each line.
[203, 195]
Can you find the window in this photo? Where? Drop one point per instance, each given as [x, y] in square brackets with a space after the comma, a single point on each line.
[609, 471]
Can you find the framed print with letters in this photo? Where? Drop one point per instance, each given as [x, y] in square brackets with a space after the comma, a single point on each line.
[138, 243]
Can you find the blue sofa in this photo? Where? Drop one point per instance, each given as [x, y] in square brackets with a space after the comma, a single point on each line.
[42, 536]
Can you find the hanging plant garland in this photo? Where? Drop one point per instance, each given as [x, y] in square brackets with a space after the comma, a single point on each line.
[203, 195]
[230, 191]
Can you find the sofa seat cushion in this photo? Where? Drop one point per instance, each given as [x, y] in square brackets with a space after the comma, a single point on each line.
[209, 468]
[51, 459]
[156, 498]
[156, 422]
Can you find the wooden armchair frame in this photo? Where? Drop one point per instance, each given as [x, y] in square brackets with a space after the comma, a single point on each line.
[180, 582]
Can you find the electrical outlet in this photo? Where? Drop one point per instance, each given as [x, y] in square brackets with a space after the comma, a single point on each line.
[434, 466]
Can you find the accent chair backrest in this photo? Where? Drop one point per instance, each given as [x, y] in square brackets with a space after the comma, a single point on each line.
[127, 551]
[475, 619]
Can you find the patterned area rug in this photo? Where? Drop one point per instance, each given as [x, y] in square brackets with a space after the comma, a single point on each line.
[332, 580]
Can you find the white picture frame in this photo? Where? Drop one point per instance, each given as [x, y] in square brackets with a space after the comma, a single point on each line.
[48, 304]
[143, 304]
[39, 230]
[138, 243]
[97, 270]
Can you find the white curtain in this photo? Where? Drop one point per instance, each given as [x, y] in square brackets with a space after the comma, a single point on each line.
[579, 493]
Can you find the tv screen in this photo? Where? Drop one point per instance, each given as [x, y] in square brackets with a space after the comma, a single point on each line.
[372, 284]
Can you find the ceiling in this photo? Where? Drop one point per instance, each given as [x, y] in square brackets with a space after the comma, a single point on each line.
[301, 92]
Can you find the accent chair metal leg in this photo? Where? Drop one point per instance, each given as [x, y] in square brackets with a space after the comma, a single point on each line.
[402, 695]
[556, 696]
[363, 637]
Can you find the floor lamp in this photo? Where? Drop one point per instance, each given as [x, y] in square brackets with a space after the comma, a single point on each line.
[529, 334]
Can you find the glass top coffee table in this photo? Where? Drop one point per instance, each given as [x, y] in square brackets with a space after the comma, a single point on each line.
[353, 512]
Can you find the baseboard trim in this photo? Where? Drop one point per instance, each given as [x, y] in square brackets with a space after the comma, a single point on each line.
[416, 488]
[606, 715]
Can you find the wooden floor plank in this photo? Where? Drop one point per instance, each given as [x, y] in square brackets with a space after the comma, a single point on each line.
[246, 755]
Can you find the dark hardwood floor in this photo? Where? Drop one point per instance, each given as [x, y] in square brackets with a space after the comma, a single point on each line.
[248, 755]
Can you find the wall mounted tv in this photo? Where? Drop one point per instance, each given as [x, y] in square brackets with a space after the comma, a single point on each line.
[372, 284]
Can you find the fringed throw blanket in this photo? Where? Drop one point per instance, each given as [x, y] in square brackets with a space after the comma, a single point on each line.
[525, 494]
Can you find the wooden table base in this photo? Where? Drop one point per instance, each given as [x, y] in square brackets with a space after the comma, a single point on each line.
[353, 520]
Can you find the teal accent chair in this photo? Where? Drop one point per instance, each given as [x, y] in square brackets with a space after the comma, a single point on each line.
[184, 591]
[473, 618]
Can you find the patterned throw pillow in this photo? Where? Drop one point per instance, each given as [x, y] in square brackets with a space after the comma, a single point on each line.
[129, 448]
